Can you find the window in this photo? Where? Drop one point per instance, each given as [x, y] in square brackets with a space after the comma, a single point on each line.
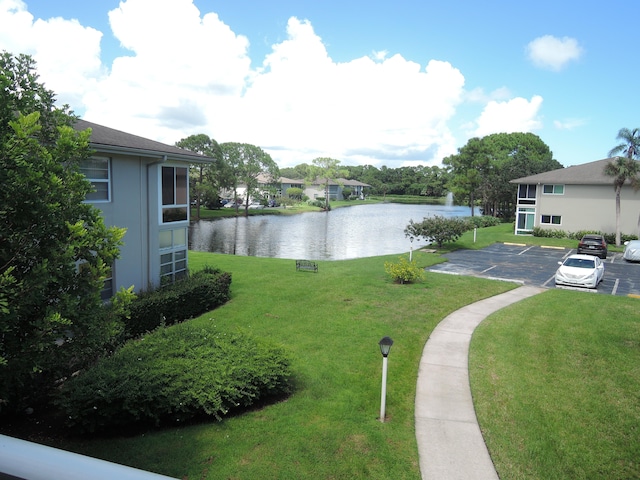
[107, 287]
[174, 194]
[525, 220]
[97, 171]
[526, 194]
[553, 189]
[173, 255]
[551, 219]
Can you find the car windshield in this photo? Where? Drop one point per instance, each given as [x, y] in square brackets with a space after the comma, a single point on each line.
[579, 262]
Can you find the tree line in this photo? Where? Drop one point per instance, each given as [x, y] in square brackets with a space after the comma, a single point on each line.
[478, 174]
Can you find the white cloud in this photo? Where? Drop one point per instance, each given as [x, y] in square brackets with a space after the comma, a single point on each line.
[67, 54]
[189, 73]
[569, 123]
[553, 53]
[515, 115]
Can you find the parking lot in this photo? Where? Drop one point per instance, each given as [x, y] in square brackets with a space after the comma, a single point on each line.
[533, 265]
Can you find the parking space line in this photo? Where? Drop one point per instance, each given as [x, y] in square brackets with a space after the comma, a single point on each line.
[487, 269]
[526, 250]
[615, 286]
[553, 277]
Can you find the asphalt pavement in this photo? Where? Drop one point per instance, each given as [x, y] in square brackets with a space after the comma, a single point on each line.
[536, 266]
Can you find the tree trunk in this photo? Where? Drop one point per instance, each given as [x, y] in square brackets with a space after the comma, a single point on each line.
[618, 189]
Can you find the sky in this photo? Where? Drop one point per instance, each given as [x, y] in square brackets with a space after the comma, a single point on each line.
[376, 83]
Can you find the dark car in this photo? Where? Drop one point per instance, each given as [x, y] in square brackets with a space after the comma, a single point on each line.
[593, 245]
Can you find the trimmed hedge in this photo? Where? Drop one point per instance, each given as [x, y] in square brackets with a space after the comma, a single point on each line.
[483, 221]
[173, 375]
[610, 238]
[190, 297]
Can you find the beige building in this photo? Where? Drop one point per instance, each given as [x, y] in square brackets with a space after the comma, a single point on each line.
[574, 199]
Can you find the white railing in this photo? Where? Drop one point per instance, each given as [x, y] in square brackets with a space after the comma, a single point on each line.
[22, 460]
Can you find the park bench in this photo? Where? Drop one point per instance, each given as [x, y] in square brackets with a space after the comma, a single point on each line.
[307, 265]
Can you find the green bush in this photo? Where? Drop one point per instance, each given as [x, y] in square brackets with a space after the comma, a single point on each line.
[404, 271]
[198, 293]
[173, 375]
[438, 229]
[483, 221]
[610, 238]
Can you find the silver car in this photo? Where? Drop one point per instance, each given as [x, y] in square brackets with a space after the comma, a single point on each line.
[580, 271]
[631, 251]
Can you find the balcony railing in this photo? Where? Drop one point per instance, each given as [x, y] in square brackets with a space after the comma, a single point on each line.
[22, 460]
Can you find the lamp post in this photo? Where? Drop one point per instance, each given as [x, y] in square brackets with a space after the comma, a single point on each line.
[385, 345]
[411, 250]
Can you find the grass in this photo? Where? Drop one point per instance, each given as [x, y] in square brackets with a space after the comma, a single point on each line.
[555, 378]
[331, 322]
[301, 207]
[556, 382]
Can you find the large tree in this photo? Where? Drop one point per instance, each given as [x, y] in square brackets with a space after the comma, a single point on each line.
[55, 250]
[466, 169]
[483, 168]
[206, 177]
[624, 168]
[249, 162]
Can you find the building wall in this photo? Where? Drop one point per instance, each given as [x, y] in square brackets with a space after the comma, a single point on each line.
[590, 207]
[128, 208]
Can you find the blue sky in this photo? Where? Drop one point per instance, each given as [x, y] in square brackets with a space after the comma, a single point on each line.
[380, 83]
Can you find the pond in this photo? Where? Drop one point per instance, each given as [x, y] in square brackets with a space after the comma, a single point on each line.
[344, 233]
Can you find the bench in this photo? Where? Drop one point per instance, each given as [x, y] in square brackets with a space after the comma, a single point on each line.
[307, 265]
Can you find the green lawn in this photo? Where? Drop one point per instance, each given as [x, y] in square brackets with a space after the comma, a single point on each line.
[555, 378]
[331, 322]
[556, 385]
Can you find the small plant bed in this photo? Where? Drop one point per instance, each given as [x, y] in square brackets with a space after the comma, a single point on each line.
[175, 375]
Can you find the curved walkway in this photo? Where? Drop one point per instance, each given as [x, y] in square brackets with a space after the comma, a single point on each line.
[450, 443]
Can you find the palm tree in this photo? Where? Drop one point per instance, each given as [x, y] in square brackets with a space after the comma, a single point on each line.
[624, 168]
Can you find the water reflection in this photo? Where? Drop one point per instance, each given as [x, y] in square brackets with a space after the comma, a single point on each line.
[351, 232]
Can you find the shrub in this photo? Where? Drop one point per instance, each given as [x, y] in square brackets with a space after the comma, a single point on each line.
[483, 221]
[199, 293]
[173, 375]
[438, 229]
[404, 271]
[316, 203]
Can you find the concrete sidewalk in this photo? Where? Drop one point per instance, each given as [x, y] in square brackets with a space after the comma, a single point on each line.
[450, 443]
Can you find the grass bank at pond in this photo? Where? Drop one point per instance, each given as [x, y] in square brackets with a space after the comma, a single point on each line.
[556, 382]
[331, 322]
[301, 207]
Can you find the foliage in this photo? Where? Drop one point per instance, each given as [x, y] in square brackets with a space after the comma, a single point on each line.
[483, 168]
[55, 250]
[624, 169]
[404, 271]
[174, 375]
[483, 221]
[194, 295]
[610, 238]
[248, 162]
[205, 180]
[437, 229]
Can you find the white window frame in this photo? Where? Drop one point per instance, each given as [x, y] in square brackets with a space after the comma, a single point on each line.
[84, 169]
[556, 189]
[173, 254]
[167, 204]
[551, 217]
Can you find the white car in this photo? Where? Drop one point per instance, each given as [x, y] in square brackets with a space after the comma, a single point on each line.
[580, 271]
[631, 251]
